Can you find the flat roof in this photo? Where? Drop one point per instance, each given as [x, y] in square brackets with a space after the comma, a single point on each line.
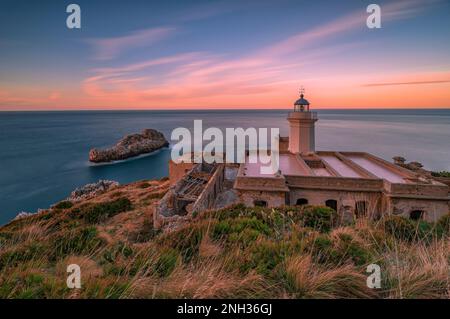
[289, 165]
[334, 165]
[377, 169]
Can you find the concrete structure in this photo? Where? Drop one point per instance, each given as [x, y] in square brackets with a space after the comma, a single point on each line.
[353, 183]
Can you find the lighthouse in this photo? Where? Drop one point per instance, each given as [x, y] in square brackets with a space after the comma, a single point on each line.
[301, 127]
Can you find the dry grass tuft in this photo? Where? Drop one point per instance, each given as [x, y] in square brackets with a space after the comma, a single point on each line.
[205, 280]
[306, 280]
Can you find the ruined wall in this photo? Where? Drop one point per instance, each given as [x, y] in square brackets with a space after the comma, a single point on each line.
[209, 193]
[178, 170]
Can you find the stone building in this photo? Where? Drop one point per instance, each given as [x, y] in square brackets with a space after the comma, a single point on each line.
[352, 183]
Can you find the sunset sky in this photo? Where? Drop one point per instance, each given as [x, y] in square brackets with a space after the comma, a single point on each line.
[223, 54]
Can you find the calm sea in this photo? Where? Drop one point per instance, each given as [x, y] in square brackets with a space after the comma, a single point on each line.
[43, 155]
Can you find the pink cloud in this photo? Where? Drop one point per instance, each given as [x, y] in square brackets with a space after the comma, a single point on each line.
[265, 75]
[109, 48]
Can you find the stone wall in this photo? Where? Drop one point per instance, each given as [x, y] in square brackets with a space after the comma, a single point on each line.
[432, 209]
[211, 190]
[178, 170]
[346, 201]
[273, 199]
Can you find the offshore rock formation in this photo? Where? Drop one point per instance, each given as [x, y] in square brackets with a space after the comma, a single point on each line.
[91, 190]
[148, 141]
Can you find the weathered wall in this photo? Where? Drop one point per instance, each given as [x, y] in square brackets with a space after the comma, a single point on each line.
[209, 193]
[273, 199]
[433, 210]
[346, 200]
[178, 171]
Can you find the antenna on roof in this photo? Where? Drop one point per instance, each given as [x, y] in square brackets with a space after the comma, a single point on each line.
[302, 91]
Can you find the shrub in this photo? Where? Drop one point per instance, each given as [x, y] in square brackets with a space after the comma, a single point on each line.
[400, 227]
[21, 254]
[144, 185]
[32, 285]
[266, 255]
[441, 174]
[242, 229]
[99, 212]
[64, 205]
[408, 230]
[80, 241]
[318, 217]
[339, 251]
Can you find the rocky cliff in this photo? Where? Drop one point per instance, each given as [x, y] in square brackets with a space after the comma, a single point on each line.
[148, 141]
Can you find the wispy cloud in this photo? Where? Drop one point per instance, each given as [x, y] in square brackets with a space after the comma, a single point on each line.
[203, 78]
[351, 22]
[109, 48]
[406, 83]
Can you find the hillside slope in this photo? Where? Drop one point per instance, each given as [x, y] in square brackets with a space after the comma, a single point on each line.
[289, 252]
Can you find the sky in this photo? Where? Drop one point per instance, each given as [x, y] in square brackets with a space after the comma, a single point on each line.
[223, 54]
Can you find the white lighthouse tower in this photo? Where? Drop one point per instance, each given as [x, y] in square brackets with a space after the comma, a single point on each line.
[301, 127]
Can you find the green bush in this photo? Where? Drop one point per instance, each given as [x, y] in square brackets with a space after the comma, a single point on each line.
[80, 241]
[96, 213]
[318, 217]
[400, 227]
[21, 254]
[339, 251]
[441, 174]
[242, 229]
[266, 255]
[144, 185]
[409, 230]
[64, 205]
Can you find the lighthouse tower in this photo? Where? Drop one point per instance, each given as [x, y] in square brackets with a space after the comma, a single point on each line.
[301, 127]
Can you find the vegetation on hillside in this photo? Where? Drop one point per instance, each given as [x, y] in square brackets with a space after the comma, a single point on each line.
[287, 252]
[441, 174]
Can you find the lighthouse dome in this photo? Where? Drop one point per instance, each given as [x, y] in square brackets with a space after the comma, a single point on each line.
[302, 101]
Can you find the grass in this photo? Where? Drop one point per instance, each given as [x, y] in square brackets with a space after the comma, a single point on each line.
[441, 174]
[99, 212]
[237, 252]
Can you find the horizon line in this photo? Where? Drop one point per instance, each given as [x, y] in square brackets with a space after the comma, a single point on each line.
[221, 109]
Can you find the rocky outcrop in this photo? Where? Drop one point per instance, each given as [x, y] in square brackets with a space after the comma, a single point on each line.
[22, 215]
[131, 145]
[91, 190]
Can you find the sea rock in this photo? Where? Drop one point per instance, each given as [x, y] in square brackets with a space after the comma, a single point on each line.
[22, 215]
[148, 141]
[91, 190]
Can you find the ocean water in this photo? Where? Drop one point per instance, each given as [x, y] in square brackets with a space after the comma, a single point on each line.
[44, 155]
